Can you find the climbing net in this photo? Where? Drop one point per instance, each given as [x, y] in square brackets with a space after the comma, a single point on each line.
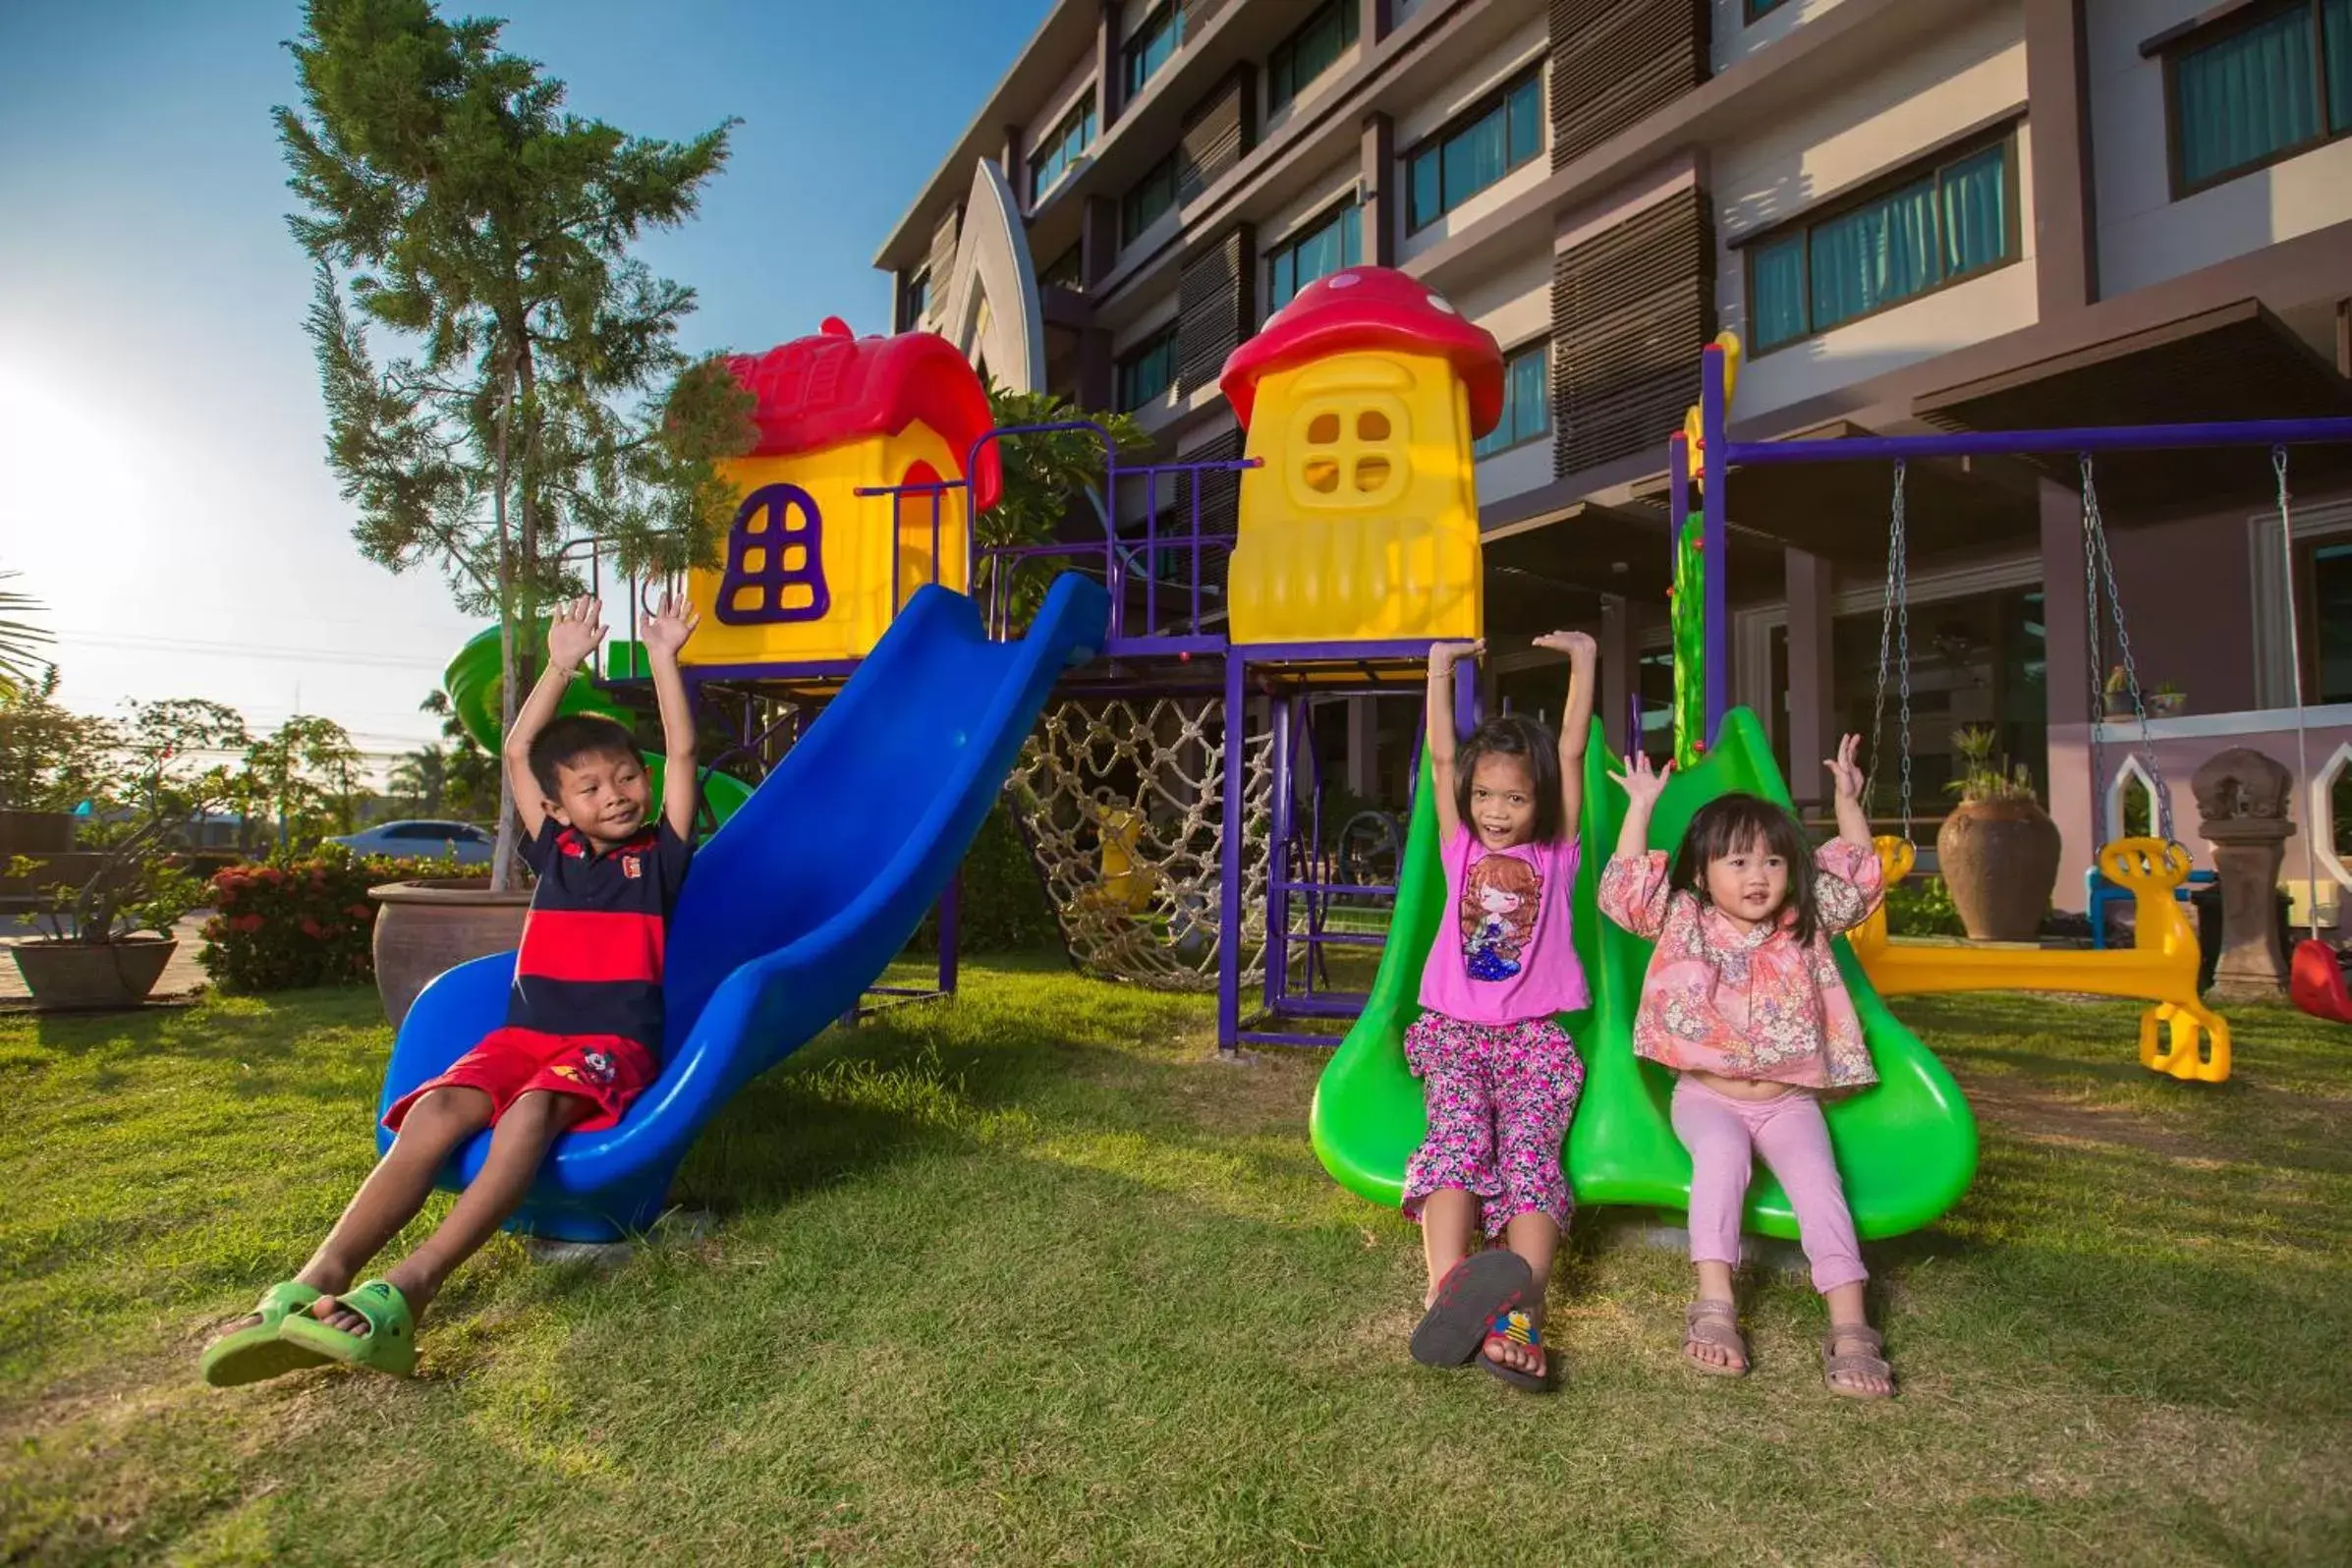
[1123, 806]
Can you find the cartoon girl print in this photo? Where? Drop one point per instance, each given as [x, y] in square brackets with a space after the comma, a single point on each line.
[1501, 896]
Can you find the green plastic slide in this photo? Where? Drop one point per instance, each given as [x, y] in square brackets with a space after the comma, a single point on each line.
[472, 682]
[1907, 1145]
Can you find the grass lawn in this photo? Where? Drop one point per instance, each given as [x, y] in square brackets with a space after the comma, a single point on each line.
[1028, 1277]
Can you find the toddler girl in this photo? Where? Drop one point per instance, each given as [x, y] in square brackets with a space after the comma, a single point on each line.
[1743, 1000]
[1500, 1076]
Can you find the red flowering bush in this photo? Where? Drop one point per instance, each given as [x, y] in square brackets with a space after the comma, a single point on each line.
[308, 922]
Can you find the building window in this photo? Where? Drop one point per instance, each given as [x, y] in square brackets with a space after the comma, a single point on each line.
[1758, 10]
[1497, 135]
[1333, 241]
[2276, 83]
[2327, 622]
[1153, 45]
[1949, 221]
[1310, 51]
[1061, 148]
[915, 297]
[1067, 271]
[1147, 371]
[1977, 661]
[1527, 400]
[1151, 199]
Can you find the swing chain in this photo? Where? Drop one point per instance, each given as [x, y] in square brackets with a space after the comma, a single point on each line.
[1894, 634]
[2099, 565]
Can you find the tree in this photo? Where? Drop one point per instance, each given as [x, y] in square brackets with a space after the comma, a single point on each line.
[1044, 477]
[421, 780]
[471, 782]
[20, 669]
[180, 748]
[539, 399]
[301, 774]
[52, 759]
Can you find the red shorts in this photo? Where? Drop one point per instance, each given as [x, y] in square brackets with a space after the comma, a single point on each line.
[606, 1069]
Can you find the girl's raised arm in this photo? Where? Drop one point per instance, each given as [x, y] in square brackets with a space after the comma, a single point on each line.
[1443, 657]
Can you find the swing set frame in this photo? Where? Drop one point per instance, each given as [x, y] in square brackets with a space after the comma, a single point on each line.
[2161, 967]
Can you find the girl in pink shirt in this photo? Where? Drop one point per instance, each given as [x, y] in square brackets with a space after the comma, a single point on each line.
[1499, 1075]
[1743, 999]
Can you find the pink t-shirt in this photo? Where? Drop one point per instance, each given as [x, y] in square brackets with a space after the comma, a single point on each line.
[1506, 952]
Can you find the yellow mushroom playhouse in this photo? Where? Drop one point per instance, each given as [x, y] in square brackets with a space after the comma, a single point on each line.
[852, 497]
[1362, 397]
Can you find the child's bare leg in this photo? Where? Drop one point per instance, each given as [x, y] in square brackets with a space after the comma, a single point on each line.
[1535, 1237]
[519, 1146]
[395, 1192]
[1449, 1219]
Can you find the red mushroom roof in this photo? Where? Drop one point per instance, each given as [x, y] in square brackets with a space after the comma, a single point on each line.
[834, 387]
[1369, 307]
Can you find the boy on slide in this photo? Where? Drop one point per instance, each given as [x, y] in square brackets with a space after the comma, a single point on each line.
[582, 1028]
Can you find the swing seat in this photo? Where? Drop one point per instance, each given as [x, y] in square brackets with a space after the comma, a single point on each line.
[2179, 1035]
[2316, 982]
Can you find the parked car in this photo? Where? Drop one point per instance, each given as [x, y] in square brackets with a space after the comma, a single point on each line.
[422, 840]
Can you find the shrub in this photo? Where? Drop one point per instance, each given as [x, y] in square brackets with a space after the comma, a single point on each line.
[1004, 906]
[1922, 905]
[300, 921]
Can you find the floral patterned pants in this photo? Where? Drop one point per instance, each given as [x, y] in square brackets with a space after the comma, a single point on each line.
[1500, 1098]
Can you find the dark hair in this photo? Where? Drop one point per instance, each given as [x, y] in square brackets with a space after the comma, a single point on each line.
[1515, 735]
[1729, 823]
[569, 737]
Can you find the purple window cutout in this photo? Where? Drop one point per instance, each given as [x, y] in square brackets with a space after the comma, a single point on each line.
[774, 522]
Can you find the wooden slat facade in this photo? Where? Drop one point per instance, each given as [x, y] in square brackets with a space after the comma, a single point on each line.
[1220, 129]
[1216, 305]
[1616, 62]
[1631, 309]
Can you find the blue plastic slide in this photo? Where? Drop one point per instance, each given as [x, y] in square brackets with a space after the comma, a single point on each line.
[794, 907]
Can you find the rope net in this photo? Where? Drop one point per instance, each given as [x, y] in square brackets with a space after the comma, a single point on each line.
[1122, 803]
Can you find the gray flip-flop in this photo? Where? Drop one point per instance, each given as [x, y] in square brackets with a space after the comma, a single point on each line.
[1473, 1294]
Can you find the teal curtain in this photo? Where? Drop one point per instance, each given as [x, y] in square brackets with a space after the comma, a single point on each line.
[1880, 253]
[1526, 112]
[1527, 399]
[1474, 158]
[1776, 287]
[2336, 17]
[1976, 212]
[1426, 201]
[2247, 96]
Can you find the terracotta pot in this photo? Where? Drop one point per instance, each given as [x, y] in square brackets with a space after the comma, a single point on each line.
[1999, 860]
[435, 924]
[93, 975]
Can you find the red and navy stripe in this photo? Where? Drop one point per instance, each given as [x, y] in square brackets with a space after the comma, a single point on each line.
[595, 941]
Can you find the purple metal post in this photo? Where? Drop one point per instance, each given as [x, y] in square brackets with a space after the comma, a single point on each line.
[1713, 550]
[1229, 858]
[1633, 723]
[1277, 891]
[2011, 443]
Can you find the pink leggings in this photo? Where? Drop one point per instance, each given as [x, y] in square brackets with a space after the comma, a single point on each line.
[1725, 1137]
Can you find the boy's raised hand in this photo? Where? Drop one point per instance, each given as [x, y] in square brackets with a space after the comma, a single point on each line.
[1643, 784]
[1844, 770]
[1575, 644]
[575, 631]
[666, 629]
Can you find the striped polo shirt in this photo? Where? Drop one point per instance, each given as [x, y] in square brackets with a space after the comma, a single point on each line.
[593, 943]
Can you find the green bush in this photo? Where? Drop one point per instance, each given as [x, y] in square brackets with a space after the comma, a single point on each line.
[1922, 905]
[1004, 908]
[297, 922]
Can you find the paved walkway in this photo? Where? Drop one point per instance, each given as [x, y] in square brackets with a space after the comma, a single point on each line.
[180, 976]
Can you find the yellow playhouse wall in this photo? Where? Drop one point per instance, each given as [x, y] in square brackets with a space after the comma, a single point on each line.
[1364, 523]
[854, 538]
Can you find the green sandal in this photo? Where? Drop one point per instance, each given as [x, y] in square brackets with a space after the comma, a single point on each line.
[388, 1346]
[251, 1355]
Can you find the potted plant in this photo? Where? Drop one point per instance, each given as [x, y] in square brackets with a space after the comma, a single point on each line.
[108, 935]
[2118, 693]
[1998, 849]
[2168, 701]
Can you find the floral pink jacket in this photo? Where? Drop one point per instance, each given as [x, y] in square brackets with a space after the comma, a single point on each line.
[1746, 1005]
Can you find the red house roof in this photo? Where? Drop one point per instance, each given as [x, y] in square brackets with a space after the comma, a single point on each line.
[1369, 307]
[834, 387]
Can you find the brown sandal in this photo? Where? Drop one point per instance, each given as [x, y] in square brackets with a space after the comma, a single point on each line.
[1868, 1363]
[1716, 1323]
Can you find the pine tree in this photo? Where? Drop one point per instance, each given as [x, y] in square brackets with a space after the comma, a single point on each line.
[537, 399]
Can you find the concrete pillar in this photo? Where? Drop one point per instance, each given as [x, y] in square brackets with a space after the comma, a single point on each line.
[1620, 656]
[2067, 685]
[1375, 20]
[1812, 719]
[2065, 222]
[1382, 213]
[1109, 81]
[1364, 748]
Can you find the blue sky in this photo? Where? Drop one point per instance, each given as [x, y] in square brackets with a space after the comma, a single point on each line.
[162, 484]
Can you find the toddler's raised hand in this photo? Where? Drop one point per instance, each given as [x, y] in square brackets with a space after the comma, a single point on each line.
[1446, 655]
[575, 631]
[667, 629]
[1574, 645]
[1643, 784]
[1844, 770]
